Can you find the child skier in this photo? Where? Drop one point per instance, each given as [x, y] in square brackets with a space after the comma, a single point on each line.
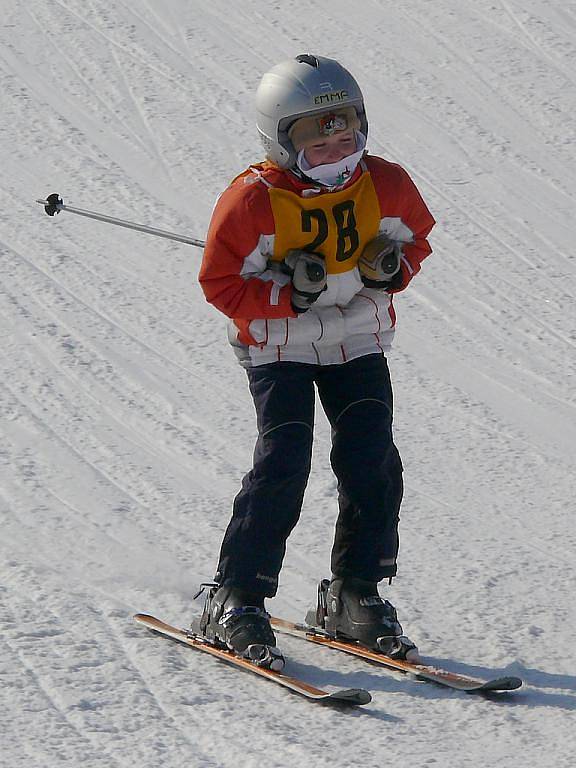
[304, 253]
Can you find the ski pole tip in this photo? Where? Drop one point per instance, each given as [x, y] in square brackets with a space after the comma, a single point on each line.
[52, 204]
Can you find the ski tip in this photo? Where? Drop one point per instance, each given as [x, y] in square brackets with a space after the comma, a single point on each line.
[502, 684]
[351, 696]
[142, 616]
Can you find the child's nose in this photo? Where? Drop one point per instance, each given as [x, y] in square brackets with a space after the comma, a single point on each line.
[336, 154]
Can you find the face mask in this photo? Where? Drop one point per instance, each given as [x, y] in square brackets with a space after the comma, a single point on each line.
[334, 174]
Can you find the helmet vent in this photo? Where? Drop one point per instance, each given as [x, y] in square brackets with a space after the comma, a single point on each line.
[307, 58]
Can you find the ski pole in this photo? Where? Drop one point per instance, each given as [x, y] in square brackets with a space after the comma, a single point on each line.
[54, 204]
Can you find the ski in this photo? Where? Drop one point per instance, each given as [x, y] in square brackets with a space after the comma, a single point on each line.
[423, 671]
[185, 636]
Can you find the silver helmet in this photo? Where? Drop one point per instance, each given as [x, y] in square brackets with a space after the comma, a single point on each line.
[304, 86]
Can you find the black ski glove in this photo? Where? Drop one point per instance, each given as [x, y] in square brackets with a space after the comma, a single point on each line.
[379, 263]
[308, 272]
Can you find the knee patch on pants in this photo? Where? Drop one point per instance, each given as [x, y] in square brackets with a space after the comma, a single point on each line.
[363, 437]
[288, 446]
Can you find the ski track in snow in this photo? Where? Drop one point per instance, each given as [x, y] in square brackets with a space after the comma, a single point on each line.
[126, 422]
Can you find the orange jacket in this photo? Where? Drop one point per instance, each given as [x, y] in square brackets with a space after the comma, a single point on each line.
[266, 211]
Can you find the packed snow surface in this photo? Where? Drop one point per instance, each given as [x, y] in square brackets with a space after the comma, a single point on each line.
[127, 424]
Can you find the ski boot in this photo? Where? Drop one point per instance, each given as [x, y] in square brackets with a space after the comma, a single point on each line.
[352, 610]
[237, 621]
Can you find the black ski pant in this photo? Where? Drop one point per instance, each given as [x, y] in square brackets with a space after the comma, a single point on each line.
[357, 399]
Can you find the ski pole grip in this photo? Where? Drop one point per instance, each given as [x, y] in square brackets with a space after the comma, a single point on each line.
[315, 272]
[315, 269]
[390, 263]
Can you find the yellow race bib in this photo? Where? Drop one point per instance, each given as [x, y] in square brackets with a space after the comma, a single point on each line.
[337, 225]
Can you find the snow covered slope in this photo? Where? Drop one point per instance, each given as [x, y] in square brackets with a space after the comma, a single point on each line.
[126, 424]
